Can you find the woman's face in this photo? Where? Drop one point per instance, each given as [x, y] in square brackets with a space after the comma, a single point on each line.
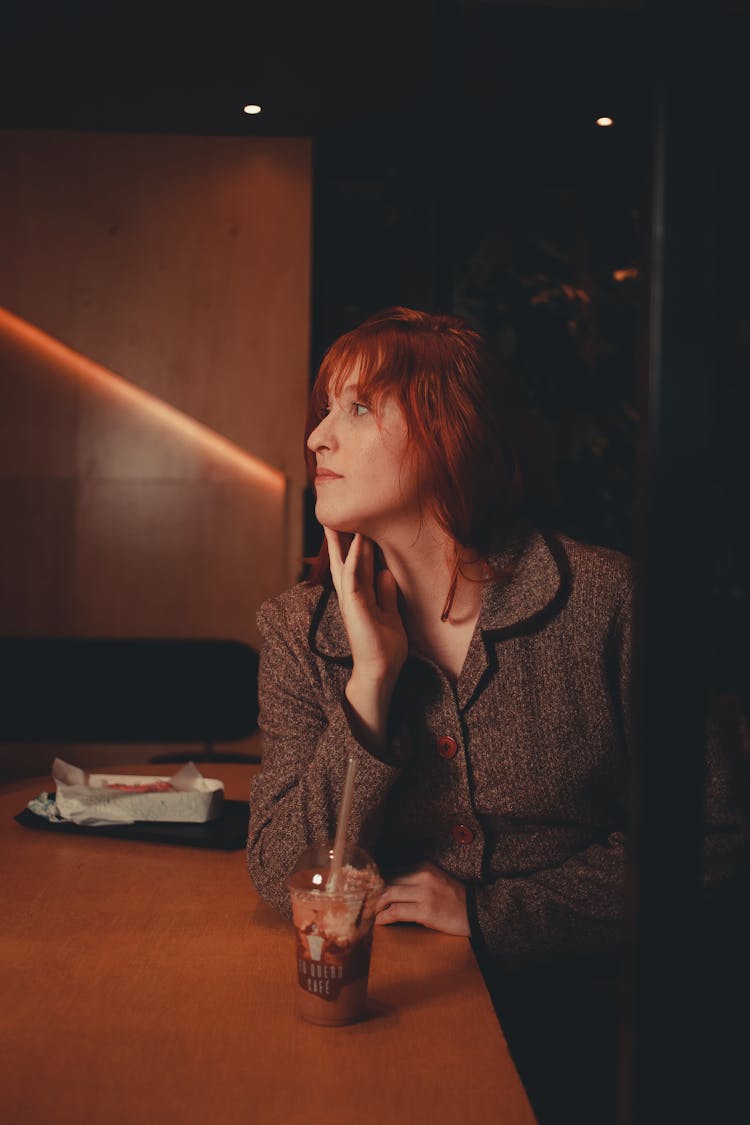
[365, 480]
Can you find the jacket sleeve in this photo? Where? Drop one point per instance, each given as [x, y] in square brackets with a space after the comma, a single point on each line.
[307, 742]
[578, 907]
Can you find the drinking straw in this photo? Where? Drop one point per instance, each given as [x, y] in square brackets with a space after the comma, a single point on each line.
[342, 825]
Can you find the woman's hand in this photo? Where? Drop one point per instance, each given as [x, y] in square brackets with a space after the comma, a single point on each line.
[426, 895]
[369, 607]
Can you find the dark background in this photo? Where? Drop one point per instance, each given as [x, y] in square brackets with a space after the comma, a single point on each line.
[457, 166]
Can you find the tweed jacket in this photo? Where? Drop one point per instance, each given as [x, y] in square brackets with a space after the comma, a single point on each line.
[513, 779]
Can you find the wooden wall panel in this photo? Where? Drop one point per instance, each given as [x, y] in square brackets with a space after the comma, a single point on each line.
[142, 523]
[38, 410]
[37, 563]
[153, 382]
[180, 262]
[174, 559]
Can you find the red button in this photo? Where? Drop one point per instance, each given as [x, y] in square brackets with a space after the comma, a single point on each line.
[462, 834]
[447, 747]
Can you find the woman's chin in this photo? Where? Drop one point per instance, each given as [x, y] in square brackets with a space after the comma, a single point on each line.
[336, 522]
[340, 525]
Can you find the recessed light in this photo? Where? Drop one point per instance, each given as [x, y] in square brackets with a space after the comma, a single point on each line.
[252, 108]
[604, 122]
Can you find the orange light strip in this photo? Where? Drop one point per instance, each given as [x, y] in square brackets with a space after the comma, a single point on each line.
[181, 423]
[624, 275]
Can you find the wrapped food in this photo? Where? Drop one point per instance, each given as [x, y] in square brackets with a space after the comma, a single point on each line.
[100, 798]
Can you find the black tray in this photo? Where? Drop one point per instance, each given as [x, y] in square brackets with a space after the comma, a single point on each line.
[228, 833]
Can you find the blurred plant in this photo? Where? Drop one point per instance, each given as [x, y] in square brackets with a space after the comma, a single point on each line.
[564, 316]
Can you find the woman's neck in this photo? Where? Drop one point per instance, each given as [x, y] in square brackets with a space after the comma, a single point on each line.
[423, 568]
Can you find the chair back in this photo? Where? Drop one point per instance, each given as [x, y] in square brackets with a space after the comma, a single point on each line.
[62, 689]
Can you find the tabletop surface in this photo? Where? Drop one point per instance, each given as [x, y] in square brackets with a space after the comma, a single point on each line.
[149, 983]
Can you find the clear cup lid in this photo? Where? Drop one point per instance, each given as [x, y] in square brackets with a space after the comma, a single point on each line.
[359, 872]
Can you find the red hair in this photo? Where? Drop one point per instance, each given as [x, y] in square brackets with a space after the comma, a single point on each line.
[449, 386]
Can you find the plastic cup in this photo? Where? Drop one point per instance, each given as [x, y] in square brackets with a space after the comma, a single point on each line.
[333, 933]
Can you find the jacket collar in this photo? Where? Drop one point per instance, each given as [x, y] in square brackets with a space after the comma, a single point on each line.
[538, 583]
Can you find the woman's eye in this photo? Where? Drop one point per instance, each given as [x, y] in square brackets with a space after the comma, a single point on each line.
[361, 408]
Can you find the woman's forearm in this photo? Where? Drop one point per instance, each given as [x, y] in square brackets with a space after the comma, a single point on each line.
[367, 705]
[294, 800]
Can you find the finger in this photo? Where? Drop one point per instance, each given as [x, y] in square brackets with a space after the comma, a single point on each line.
[351, 562]
[409, 904]
[334, 550]
[399, 912]
[336, 555]
[358, 571]
[405, 910]
[349, 565]
[339, 541]
[396, 893]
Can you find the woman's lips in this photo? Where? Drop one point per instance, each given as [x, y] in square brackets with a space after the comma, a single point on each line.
[325, 474]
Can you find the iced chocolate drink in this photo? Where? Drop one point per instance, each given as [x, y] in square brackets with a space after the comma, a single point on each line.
[333, 933]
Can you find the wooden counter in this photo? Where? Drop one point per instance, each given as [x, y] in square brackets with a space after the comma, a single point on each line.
[148, 983]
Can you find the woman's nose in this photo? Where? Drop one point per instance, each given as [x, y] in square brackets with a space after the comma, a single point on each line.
[322, 436]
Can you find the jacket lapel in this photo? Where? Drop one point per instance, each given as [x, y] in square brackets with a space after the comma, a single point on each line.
[536, 586]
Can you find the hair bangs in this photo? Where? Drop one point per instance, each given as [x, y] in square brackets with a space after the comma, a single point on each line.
[376, 359]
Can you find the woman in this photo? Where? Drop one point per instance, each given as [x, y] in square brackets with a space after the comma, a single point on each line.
[476, 668]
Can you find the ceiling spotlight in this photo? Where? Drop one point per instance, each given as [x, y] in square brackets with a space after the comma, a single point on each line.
[605, 122]
[252, 108]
